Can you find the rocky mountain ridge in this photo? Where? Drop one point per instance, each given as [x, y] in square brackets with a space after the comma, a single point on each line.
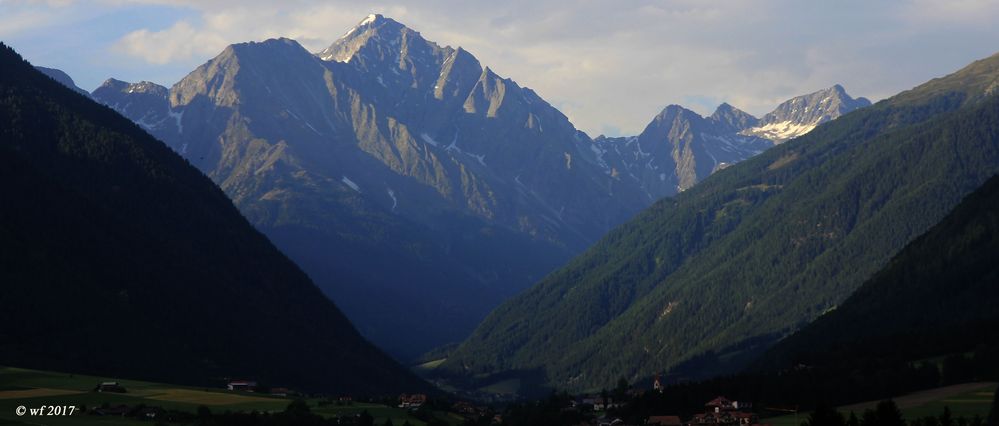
[439, 187]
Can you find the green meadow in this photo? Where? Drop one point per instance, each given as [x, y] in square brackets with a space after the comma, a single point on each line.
[967, 400]
[32, 389]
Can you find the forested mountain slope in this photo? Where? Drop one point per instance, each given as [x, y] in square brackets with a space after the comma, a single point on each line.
[755, 251]
[937, 296]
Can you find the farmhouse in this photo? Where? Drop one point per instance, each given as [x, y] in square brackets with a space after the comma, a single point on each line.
[412, 401]
[723, 411]
[241, 385]
[600, 403]
[110, 387]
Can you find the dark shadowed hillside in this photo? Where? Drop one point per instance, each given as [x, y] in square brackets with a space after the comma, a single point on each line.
[119, 258]
[938, 295]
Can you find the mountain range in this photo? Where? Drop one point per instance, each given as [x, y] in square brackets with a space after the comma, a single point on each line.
[752, 253]
[118, 258]
[417, 187]
[680, 148]
[419, 190]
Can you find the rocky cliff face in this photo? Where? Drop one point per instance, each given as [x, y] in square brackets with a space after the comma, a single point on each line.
[801, 114]
[437, 186]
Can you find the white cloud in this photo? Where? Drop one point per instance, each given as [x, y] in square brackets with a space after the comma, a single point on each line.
[20, 16]
[954, 12]
[182, 41]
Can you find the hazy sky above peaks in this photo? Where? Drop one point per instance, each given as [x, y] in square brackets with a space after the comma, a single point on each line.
[608, 65]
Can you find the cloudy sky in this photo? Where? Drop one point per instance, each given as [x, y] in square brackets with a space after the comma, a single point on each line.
[609, 65]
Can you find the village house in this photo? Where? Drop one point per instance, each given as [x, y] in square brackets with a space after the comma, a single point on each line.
[150, 413]
[412, 401]
[610, 421]
[723, 411]
[110, 387]
[470, 411]
[242, 385]
[720, 411]
[598, 403]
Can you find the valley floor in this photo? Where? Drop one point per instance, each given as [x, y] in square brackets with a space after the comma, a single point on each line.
[966, 399]
[33, 389]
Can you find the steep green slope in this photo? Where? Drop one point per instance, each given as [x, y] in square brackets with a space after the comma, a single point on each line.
[119, 258]
[940, 291]
[756, 250]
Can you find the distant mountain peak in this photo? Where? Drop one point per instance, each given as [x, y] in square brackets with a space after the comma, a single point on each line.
[724, 106]
[62, 78]
[373, 27]
[733, 118]
[113, 83]
[801, 114]
[116, 85]
[672, 110]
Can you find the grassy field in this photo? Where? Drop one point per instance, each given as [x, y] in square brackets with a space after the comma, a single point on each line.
[968, 400]
[32, 388]
[429, 365]
[504, 387]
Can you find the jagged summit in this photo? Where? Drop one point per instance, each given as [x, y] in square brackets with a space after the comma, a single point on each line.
[733, 118]
[113, 83]
[674, 110]
[366, 151]
[801, 114]
[116, 85]
[374, 27]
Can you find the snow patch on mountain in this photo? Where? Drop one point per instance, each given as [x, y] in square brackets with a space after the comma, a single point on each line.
[426, 138]
[350, 183]
[391, 195]
[783, 130]
[177, 116]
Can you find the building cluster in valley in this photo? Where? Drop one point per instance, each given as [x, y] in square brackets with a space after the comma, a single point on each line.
[720, 411]
[412, 401]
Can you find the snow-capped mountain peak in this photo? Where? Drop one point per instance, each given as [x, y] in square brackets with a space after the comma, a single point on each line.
[373, 27]
[799, 115]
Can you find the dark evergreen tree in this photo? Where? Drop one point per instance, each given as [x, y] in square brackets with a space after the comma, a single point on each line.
[870, 418]
[853, 420]
[888, 414]
[365, 419]
[298, 408]
[945, 418]
[825, 415]
[994, 412]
